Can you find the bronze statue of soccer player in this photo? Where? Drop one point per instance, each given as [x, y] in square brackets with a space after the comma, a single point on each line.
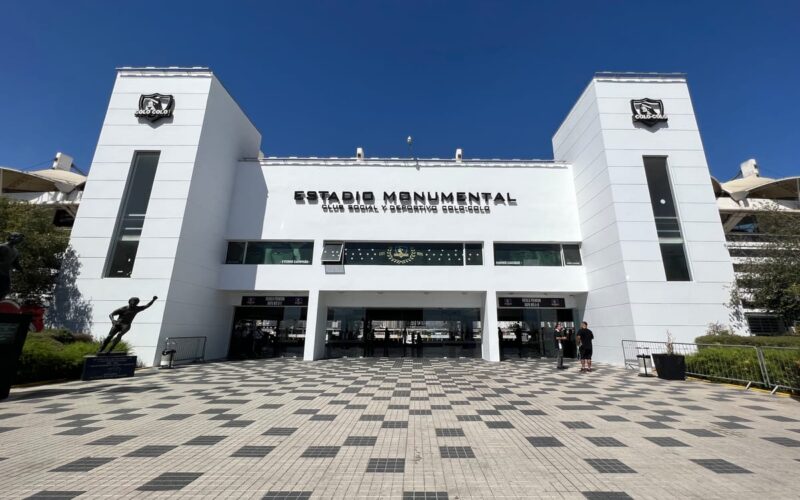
[9, 259]
[122, 324]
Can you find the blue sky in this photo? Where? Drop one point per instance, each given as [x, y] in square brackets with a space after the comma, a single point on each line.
[320, 78]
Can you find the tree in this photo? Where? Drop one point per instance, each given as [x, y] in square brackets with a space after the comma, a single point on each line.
[770, 280]
[40, 253]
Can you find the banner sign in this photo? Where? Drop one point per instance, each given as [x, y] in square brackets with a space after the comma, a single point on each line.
[531, 302]
[261, 300]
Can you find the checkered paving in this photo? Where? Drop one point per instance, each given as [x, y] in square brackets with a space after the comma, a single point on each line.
[397, 429]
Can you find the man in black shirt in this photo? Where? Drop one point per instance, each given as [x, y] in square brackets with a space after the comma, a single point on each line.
[585, 337]
[122, 324]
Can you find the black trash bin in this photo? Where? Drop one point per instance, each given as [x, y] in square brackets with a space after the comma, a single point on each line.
[167, 358]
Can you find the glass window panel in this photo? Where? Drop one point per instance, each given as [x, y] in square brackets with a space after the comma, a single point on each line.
[473, 253]
[572, 255]
[764, 325]
[332, 253]
[410, 254]
[130, 220]
[526, 254]
[235, 252]
[655, 169]
[121, 265]
[279, 252]
[675, 265]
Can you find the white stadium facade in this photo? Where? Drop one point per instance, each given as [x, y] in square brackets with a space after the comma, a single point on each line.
[621, 229]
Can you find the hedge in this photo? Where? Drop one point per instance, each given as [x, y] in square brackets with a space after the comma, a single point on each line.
[717, 363]
[766, 341]
[723, 363]
[55, 355]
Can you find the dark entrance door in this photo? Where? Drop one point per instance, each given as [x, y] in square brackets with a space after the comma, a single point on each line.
[265, 332]
[529, 333]
[404, 332]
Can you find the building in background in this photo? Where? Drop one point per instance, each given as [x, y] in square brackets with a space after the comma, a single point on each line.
[740, 200]
[59, 187]
[357, 256]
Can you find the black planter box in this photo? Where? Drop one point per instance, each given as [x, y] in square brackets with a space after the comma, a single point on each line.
[13, 331]
[670, 366]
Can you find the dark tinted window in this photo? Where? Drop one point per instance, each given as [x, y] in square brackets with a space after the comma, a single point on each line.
[572, 255]
[279, 252]
[473, 253]
[658, 184]
[130, 219]
[674, 259]
[764, 325]
[332, 253]
[527, 254]
[235, 252]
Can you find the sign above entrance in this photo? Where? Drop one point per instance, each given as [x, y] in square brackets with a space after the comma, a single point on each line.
[531, 302]
[452, 202]
[261, 300]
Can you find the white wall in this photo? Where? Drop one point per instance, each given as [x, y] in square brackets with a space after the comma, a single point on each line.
[181, 177]
[545, 212]
[196, 307]
[264, 208]
[629, 296]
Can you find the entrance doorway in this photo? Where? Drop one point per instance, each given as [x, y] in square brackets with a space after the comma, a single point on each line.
[267, 332]
[403, 332]
[529, 333]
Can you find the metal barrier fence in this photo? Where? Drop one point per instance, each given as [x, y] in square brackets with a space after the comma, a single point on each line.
[768, 367]
[781, 367]
[187, 349]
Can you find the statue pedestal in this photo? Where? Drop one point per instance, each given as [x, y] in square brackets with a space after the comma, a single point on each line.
[111, 365]
[13, 331]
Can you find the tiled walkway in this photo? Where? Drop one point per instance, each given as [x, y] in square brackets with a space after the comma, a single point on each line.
[397, 429]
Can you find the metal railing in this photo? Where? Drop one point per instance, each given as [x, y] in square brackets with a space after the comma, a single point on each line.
[187, 349]
[781, 367]
[773, 368]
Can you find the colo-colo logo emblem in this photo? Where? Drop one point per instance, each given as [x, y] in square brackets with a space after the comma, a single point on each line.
[155, 106]
[401, 254]
[648, 111]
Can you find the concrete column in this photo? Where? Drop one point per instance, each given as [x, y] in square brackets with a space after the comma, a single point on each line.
[315, 336]
[491, 343]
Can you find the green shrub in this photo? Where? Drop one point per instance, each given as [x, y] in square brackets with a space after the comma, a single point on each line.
[776, 341]
[724, 363]
[45, 357]
[740, 365]
[65, 336]
[783, 366]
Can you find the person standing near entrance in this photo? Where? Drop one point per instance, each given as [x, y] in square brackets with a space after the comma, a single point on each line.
[418, 343]
[518, 339]
[405, 340]
[585, 337]
[560, 337]
[500, 342]
[365, 341]
[386, 342]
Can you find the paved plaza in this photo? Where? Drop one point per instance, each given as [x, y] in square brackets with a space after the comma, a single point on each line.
[397, 429]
